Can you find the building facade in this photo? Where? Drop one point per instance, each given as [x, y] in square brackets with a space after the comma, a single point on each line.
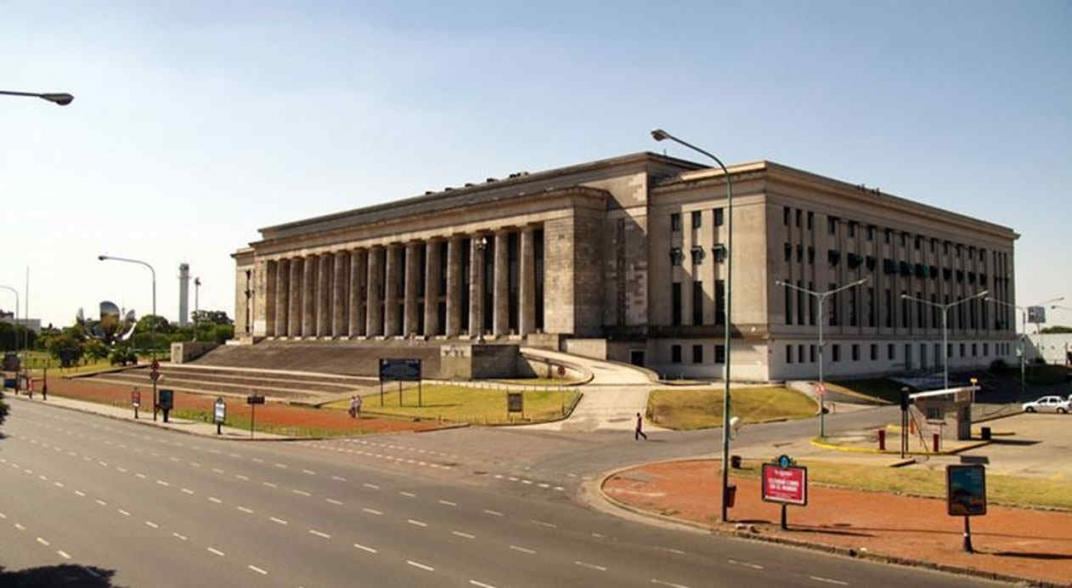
[625, 259]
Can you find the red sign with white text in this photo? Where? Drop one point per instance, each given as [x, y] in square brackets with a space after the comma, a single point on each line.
[785, 485]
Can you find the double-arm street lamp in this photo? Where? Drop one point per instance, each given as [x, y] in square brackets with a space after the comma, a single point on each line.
[15, 323]
[945, 326]
[821, 298]
[60, 98]
[661, 135]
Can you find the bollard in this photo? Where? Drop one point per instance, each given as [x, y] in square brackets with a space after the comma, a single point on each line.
[882, 439]
[937, 438]
[731, 495]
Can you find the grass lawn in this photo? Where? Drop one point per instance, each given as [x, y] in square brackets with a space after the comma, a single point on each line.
[882, 388]
[1007, 490]
[537, 381]
[687, 410]
[462, 404]
[242, 422]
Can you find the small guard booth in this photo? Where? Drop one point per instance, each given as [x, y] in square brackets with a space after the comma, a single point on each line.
[948, 409]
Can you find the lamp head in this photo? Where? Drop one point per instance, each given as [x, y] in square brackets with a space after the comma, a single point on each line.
[904, 295]
[102, 257]
[983, 294]
[660, 135]
[61, 98]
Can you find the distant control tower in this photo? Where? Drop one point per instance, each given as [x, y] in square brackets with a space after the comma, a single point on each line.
[184, 294]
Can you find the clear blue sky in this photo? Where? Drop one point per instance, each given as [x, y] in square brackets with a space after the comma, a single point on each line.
[196, 124]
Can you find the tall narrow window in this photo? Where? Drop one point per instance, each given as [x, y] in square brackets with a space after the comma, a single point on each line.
[675, 302]
[697, 219]
[697, 302]
[675, 222]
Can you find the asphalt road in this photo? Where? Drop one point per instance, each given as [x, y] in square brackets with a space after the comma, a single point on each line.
[93, 501]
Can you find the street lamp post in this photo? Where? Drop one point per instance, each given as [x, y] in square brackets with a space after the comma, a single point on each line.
[945, 327]
[661, 135]
[152, 323]
[1022, 340]
[60, 98]
[1038, 326]
[15, 324]
[821, 298]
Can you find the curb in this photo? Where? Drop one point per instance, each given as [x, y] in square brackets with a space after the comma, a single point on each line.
[823, 445]
[600, 494]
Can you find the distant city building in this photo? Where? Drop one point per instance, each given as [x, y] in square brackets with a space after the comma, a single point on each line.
[31, 324]
[624, 259]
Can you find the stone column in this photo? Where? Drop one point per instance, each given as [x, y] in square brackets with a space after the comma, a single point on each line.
[431, 287]
[412, 281]
[526, 291]
[340, 302]
[476, 285]
[282, 296]
[373, 301]
[268, 285]
[309, 297]
[501, 294]
[323, 296]
[358, 279]
[454, 287]
[392, 323]
[294, 308]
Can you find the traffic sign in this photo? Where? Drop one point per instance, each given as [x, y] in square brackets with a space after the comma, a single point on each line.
[155, 365]
[219, 412]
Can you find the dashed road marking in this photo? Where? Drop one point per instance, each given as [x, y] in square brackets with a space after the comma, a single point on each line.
[241, 477]
[179, 537]
[463, 535]
[590, 566]
[43, 542]
[245, 510]
[371, 486]
[187, 491]
[216, 500]
[670, 584]
[319, 534]
[365, 548]
[419, 565]
[20, 527]
[123, 512]
[215, 551]
[338, 479]
[63, 554]
[522, 549]
[162, 483]
[372, 511]
[277, 521]
[480, 584]
[545, 524]
[417, 523]
[258, 570]
[448, 503]
[745, 564]
[101, 502]
[270, 485]
[493, 513]
[152, 524]
[333, 501]
[408, 494]
[310, 472]
[828, 580]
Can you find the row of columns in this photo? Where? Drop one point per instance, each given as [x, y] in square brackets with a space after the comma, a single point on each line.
[375, 291]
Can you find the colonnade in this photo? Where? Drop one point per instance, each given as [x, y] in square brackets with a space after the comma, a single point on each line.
[486, 283]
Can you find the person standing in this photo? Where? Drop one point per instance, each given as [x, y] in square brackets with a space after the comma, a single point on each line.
[639, 429]
[357, 407]
[353, 407]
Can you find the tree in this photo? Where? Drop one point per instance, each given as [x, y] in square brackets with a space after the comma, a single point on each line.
[153, 322]
[1056, 329]
[216, 317]
[67, 348]
[96, 349]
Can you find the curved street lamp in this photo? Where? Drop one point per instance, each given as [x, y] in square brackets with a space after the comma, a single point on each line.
[152, 324]
[945, 326]
[60, 98]
[15, 324]
[661, 135]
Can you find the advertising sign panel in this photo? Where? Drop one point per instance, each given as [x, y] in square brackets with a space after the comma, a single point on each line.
[400, 370]
[966, 490]
[785, 485]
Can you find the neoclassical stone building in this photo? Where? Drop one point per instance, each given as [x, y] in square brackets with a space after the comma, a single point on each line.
[624, 259]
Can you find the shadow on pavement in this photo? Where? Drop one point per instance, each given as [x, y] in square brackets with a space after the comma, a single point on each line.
[1030, 555]
[60, 575]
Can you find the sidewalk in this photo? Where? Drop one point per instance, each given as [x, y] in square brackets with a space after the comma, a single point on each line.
[146, 418]
[1009, 542]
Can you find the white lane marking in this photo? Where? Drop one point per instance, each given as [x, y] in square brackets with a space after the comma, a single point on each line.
[338, 479]
[465, 535]
[672, 550]
[241, 477]
[545, 524]
[559, 488]
[215, 551]
[417, 523]
[281, 465]
[408, 494]
[522, 549]
[43, 542]
[333, 501]
[122, 470]
[101, 502]
[20, 527]
[217, 470]
[43, 477]
[162, 483]
[365, 548]
[277, 521]
[448, 503]
[420, 565]
[58, 484]
[670, 584]
[152, 524]
[828, 580]
[493, 513]
[187, 491]
[372, 486]
[245, 510]
[258, 460]
[216, 500]
[480, 584]
[310, 472]
[301, 492]
[258, 570]
[590, 566]
[372, 511]
[123, 512]
[269, 484]
[319, 534]
[3, 516]
[140, 475]
[746, 564]
[63, 554]
[179, 537]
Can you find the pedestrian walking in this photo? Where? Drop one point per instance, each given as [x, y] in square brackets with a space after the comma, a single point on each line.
[355, 407]
[639, 429]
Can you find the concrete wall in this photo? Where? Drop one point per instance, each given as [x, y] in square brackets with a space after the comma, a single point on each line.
[1052, 347]
[592, 348]
[189, 350]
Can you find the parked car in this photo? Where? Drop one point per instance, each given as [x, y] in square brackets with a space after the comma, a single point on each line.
[1048, 404]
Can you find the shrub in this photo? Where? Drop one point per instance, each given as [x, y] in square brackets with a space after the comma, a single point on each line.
[998, 365]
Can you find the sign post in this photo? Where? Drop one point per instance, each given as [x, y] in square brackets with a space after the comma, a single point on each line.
[785, 483]
[401, 370]
[219, 413]
[253, 401]
[167, 402]
[515, 402]
[135, 400]
[966, 495]
[154, 375]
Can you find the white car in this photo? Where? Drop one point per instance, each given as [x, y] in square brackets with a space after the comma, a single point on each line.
[1047, 404]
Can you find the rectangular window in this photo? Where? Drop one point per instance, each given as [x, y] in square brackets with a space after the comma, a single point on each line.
[888, 299]
[720, 354]
[675, 302]
[675, 222]
[788, 252]
[800, 354]
[785, 216]
[874, 352]
[920, 315]
[831, 225]
[904, 312]
[855, 352]
[800, 303]
[886, 235]
[986, 350]
[788, 354]
[835, 302]
[871, 308]
[697, 219]
[720, 302]
[675, 354]
[676, 256]
[719, 217]
[720, 252]
[798, 214]
[852, 307]
[891, 352]
[870, 232]
[962, 348]
[788, 304]
[811, 353]
[852, 229]
[836, 352]
[697, 302]
[697, 354]
[975, 350]
[811, 219]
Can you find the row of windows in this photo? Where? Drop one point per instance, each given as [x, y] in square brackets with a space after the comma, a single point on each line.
[889, 266]
[1000, 349]
[696, 219]
[677, 255]
[698, 354]
[791, 216]
[677, 302]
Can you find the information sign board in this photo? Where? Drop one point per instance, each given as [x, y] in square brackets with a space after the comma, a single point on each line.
[219, 412]
[135, 398]
[167, 399]
[254, 399]
[515, 402]
[400, 370]
[966, 490]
